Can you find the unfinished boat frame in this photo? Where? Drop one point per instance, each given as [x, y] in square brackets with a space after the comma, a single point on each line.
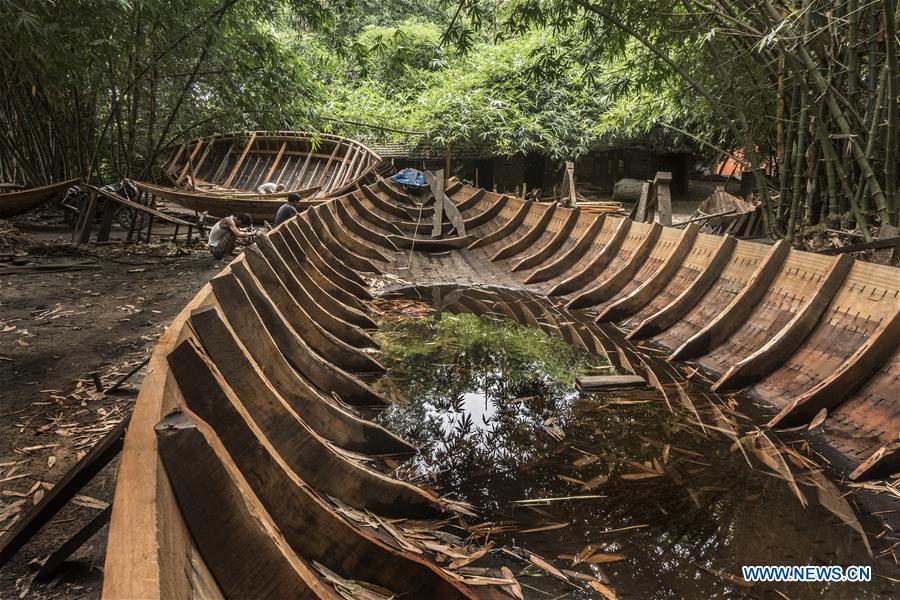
[21, 201]
[253, 409]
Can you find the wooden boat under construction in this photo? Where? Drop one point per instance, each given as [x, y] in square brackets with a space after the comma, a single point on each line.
[222, 204]
[250, 470]
[21, 201]
[220, 173]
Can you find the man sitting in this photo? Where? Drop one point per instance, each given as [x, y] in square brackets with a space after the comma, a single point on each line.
[224, 235]
[287, 210]
[270, 188]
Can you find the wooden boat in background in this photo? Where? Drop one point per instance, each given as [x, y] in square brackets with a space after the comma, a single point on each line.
[240, 475]
[21, 201]
[260, 207]
[311, 164]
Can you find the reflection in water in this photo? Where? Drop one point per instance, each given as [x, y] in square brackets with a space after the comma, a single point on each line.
[493, 408]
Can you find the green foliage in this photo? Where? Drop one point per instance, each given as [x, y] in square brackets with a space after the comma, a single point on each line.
[406, 339]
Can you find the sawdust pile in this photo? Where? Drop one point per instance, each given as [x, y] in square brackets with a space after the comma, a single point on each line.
[10, 237]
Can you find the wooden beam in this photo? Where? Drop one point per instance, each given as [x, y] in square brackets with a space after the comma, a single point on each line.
[662, 183]
[542, 254]
[64, 490]
[52, 563]
[854, 371]
[617, 280]
[324, 173]
[240, 159]
[590, 272]
[600, 383]
[735, 314]
[232, 530]
[891, 242]
[688, 299]
[530, 236]
[275, 164]
[571, 258]
[777, 350]
[504, 230]
[643, 294]
[223, 163]
[190, 161]
[436, 182]
[884, 462]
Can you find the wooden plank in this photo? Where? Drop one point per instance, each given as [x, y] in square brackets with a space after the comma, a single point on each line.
[83, 235]
[891, 242]
[321, 180]
[777, 350]
[488, 214]
[884, 462]
[530, 236]
[830, 392]
[570, 174]
[590, 271]
[455, 217]
[64, 490]
[190, 161]
[602, 383]
[542, 254]
[243, 343]
[217, 175]
[639, 213]
[277, 161]
[735, 314]
[240, 159]
[611, 286]
[571, 258]
[688, 299]
[229, 525]
[52, 563]
[643, 294]
[436, 182]
[662, 183]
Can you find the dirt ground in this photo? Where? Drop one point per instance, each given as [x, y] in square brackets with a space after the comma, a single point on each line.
[55, 330]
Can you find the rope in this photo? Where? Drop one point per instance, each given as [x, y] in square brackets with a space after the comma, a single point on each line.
[415, 233]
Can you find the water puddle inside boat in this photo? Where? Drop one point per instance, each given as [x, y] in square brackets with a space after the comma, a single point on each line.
[613, 486]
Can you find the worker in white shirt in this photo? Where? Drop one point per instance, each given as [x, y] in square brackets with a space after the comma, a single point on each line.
[270, 188]
[224, 235]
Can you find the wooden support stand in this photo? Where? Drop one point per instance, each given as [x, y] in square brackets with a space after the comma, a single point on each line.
[83, 472]
[602, 383]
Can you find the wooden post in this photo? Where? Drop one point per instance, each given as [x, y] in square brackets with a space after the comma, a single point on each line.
[83, 235]
[447, 162]
[436, 182]
[570, 175]
[662, 183]
[109, 209]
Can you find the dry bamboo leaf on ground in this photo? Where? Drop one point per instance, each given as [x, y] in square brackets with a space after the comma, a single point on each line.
[545, 566]
[772, 457]
[725, 576]
[818, 419]
[636, 476]
[585, 460]
[514, 589]
[830, 497]
[602, 589]
[600, 558]
[550, 527]
[461, 562]
[594, 482]
[570, 479]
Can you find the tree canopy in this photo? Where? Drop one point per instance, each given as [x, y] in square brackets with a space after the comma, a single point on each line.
[803, 92]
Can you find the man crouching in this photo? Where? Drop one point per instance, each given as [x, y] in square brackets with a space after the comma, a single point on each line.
[224, 235]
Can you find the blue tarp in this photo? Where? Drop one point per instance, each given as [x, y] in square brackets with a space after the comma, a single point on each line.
[410, 177]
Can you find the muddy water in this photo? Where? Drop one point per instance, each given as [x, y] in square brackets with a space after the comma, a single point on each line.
[614, 477]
